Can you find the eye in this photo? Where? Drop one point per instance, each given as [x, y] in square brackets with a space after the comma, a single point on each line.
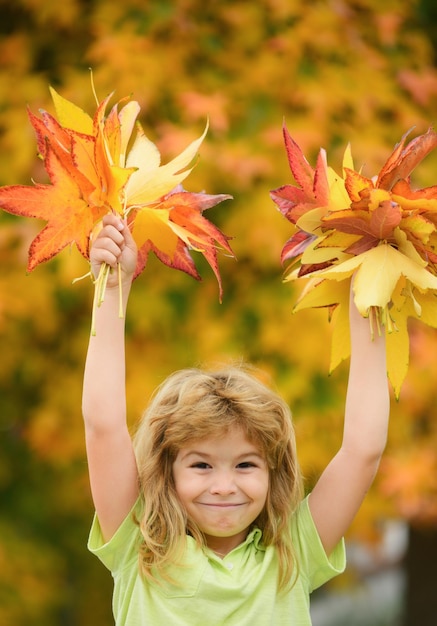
[246, 465]
[200, 465]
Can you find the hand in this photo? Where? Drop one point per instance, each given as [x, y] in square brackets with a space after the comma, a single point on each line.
[114, 245]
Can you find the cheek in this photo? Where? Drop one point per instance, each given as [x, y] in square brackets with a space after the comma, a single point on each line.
[186, 488]
[260, 487]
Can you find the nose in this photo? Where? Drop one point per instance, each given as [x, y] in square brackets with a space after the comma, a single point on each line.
[222, 483]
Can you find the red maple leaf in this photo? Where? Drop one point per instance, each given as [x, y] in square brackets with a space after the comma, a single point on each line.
[106, 163]
[402, 161]
[174, 226]
[312, 190]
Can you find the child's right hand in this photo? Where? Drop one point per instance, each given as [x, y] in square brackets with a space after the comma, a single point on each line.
[114, 244]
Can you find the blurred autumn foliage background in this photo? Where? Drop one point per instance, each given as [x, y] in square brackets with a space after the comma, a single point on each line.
[338, 71]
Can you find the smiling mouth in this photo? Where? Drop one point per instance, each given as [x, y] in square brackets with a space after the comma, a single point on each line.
[222, 505]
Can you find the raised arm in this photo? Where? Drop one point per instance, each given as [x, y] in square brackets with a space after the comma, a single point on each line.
[343, 485]
[111, 461]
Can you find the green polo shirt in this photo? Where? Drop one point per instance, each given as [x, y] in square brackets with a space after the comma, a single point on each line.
[239, 590]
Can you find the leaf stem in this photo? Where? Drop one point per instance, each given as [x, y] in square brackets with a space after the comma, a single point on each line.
[95, 302]
[371, 318]
[101, 282]
[120, 292]
[378, 313]
[99, 293]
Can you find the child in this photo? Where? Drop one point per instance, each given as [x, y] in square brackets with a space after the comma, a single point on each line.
[201, 519]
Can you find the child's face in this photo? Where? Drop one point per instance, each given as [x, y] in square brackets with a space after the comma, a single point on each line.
[222, 482]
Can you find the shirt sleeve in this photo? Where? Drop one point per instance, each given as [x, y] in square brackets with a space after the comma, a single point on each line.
[123, 546]
[314, 564]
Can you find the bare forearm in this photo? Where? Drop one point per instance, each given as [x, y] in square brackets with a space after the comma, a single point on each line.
[367, 401]
[104, 403]
[343, 485]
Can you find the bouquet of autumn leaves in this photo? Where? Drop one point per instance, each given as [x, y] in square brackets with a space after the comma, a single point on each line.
[380, 231]
[106, 163]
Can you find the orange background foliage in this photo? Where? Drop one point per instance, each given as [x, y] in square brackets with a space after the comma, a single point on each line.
[338, 71]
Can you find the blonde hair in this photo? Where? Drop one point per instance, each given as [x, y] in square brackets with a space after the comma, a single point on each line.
[193, 404]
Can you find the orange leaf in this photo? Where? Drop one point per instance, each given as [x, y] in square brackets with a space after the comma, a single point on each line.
[90, 163]
[68, 146]
[384, 219]
[61, 204]
[355, 184]
[383, 230]
[402, 161]
[174, 226]
[313, 190]
[377, 225]
[348, 221]
[403, 188]
[299, 166]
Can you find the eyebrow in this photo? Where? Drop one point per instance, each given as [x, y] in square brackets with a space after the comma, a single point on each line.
[205, 455]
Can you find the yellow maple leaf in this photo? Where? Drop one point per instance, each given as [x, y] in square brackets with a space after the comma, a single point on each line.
[378, 230]
[106, 163]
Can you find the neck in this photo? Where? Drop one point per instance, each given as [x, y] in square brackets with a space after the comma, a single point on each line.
[220, 554]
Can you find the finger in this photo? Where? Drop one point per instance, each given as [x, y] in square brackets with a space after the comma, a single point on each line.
[107, 244]
[112, 219]
[111, 232]
[128, 238]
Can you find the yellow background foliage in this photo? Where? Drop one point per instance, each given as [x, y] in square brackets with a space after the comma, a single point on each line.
[359, 71]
